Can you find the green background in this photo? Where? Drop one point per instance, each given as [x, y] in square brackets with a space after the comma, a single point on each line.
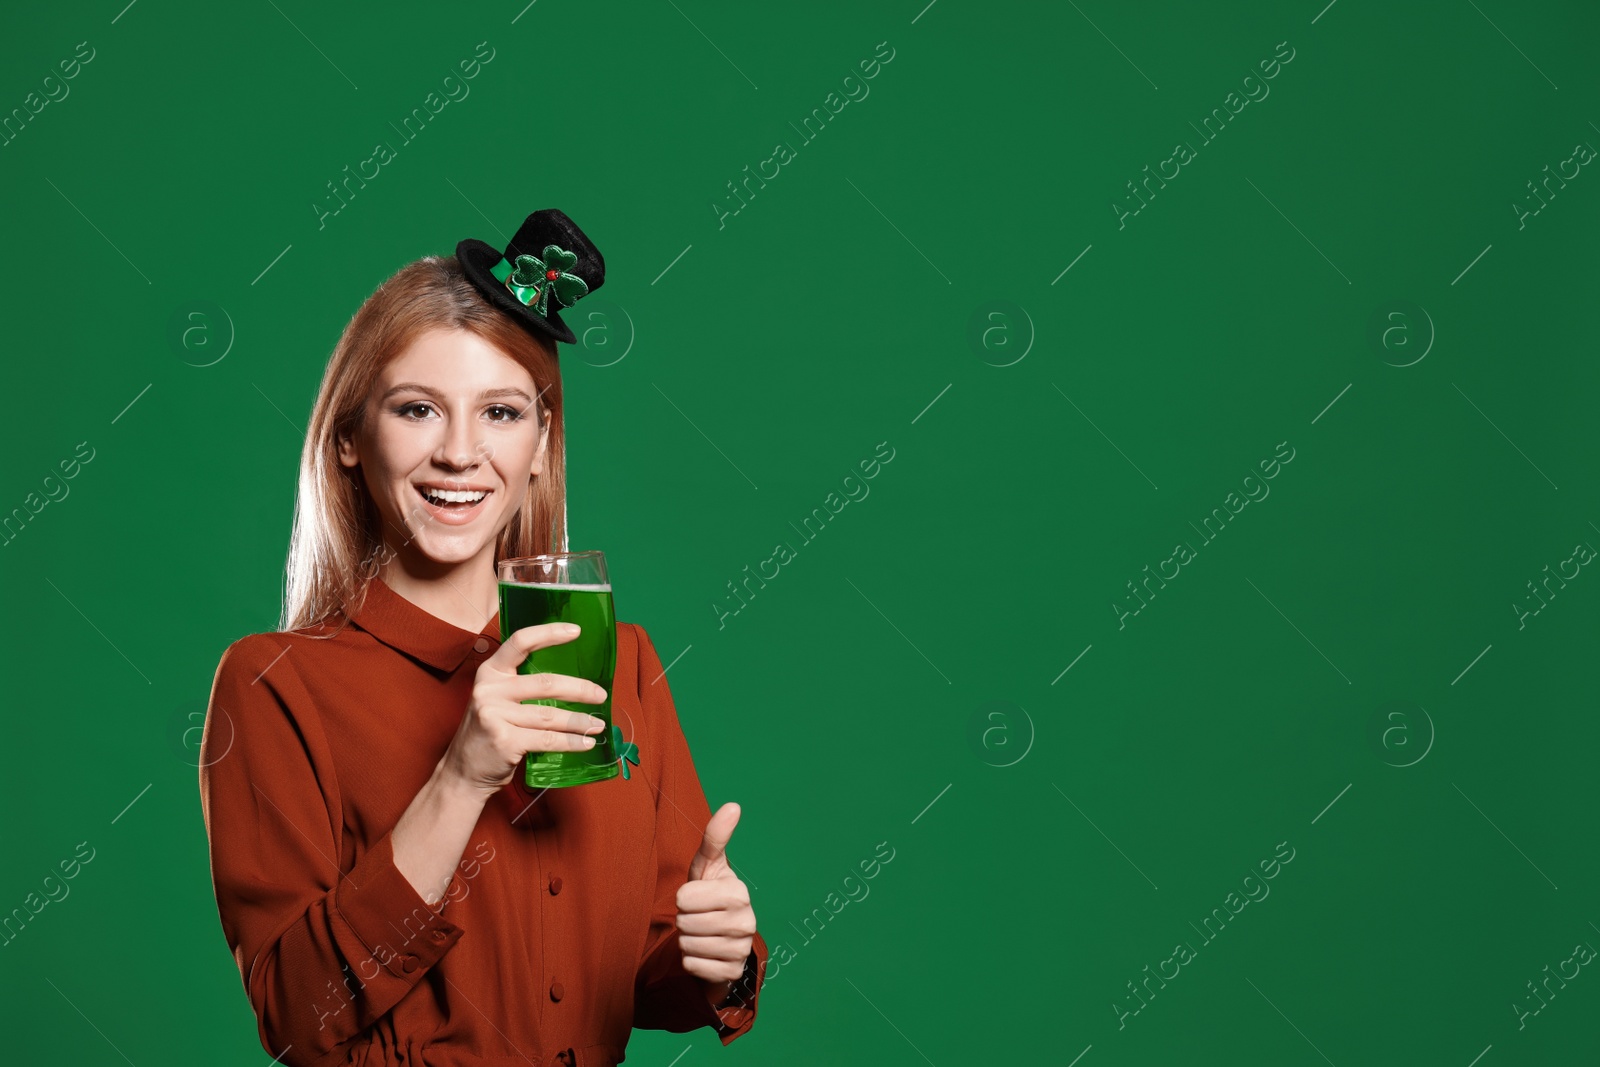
[904, 679]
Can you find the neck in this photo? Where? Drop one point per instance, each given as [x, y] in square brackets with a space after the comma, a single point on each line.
[465, 594]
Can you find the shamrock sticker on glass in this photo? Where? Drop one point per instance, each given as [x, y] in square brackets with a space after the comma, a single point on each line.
[534, 278]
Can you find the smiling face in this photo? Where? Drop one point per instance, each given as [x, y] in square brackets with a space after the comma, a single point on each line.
[450, 437]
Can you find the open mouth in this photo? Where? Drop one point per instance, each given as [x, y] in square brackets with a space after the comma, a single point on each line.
[453, 505]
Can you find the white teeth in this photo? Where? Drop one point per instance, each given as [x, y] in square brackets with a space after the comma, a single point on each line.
[450, 496]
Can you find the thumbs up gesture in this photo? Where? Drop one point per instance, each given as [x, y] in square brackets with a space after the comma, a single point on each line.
[715, 920]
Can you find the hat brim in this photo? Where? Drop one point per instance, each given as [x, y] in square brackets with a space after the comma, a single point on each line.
[477, 259]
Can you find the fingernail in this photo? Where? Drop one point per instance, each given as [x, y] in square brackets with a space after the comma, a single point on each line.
[596, 724]
[588, 742]
[570, 628]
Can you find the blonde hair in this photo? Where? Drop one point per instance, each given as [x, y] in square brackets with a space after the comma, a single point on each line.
[336, 542]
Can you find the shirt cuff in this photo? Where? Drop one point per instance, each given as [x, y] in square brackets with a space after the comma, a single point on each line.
[403, 932]
[739, 1013]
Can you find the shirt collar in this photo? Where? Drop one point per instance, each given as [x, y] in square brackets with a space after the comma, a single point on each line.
[418, 633]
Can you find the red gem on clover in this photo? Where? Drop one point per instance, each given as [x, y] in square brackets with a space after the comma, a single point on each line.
[552, 274]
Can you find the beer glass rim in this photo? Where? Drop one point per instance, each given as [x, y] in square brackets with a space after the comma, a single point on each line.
[547, 563]
[543, 556]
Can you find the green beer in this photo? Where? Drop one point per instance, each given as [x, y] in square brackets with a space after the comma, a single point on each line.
[591, 655]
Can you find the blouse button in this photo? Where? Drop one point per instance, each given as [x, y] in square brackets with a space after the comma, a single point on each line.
[555, 884]
[556, 991]
[481, 645]
[408, 964]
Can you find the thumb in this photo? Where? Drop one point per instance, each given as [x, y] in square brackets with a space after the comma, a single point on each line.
[711, 860]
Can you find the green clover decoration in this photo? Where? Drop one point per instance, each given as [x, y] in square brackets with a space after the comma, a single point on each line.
[532, 279]
[627, 751]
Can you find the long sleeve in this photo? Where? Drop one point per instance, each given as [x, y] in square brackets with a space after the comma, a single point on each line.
[325, 943]
[666, 996]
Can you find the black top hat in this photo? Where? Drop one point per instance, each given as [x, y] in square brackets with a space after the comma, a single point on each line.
[549, 264]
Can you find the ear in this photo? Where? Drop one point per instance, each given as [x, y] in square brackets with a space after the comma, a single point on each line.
[347, 450]
[544, 441]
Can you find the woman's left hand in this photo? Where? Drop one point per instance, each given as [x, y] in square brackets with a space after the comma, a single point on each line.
[715, 920]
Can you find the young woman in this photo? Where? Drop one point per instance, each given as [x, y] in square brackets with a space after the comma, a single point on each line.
[393, 894]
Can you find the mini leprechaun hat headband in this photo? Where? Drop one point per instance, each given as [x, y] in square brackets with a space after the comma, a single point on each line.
[550, 264]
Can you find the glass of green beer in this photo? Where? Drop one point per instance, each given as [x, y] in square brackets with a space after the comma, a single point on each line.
[565, 587]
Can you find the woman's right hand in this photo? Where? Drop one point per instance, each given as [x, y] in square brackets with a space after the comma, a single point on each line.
[498, 730]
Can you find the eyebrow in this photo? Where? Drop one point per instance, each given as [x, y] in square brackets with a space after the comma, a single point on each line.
[418, 387]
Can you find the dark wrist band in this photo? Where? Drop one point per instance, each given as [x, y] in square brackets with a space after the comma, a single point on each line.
[743, 985]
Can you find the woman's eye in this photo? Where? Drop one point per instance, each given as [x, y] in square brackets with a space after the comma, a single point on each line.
[409, 410]
[503, 413]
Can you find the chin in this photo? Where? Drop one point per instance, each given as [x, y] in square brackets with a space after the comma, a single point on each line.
[455, 552]
[440, 543]
[456, 548]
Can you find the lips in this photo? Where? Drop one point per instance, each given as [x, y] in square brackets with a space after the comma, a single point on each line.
[450, 506]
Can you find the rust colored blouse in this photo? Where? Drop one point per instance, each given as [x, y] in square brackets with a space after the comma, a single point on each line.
[557, 933]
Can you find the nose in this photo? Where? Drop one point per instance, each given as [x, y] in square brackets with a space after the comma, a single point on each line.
[461, 447]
